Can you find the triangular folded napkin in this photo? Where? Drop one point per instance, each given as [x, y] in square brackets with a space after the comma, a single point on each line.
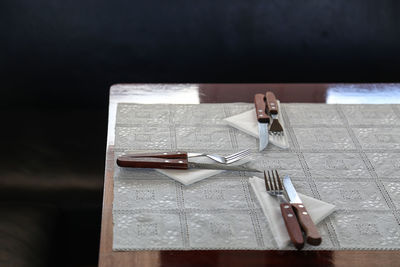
[317, 209]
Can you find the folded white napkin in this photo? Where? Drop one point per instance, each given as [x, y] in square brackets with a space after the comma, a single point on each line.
[317, 209]
[247, 122]
[188, 177]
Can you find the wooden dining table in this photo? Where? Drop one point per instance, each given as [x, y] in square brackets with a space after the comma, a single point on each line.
[229, 93]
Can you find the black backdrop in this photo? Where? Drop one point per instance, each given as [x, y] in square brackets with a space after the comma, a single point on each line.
[73, 51]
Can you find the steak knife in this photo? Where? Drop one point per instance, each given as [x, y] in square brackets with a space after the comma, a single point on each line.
[173, 160]
[309, 227]
[263, 120]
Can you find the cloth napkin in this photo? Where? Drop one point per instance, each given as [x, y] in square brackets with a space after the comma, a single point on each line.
[317, 209]
[247, 122]
[188, 177]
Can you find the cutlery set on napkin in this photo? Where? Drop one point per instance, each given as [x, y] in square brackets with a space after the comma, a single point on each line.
[257, 122]
[296, 217]
[284, 208]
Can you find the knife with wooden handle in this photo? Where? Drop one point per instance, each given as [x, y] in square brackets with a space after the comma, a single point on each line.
[259, 102]
[309, 227]
[292, 225]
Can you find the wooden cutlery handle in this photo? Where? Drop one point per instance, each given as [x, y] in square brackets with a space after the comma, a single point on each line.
[165, 155]
[272, 104]
[154, 163]
[259, 102]
[292, 225]
[309, 227]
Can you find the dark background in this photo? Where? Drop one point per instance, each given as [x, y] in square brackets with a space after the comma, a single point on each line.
[59, 58]
[70, 52]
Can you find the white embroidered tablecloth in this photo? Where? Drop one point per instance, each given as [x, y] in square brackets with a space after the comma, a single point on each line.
[347, 155]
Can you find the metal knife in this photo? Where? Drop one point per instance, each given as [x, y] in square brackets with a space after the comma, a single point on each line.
[309, 227]
[263, 120]
[173, 160]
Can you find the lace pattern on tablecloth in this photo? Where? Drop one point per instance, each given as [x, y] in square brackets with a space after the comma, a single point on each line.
[347, 155]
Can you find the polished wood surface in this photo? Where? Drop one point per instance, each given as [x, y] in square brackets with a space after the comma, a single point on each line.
[219, 93]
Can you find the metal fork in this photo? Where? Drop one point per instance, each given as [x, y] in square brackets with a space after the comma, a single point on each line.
[276, 127]
[272, 107]
[274, 187]
[221, 159]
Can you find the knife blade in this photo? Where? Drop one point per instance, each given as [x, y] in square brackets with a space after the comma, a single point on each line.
[177, 160]
[263, 120]
[309, 227]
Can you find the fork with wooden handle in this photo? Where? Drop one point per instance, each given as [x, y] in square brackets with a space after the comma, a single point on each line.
[274, 187]
[272, 108]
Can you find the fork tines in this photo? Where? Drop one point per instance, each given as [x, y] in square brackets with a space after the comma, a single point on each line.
[276, 127]
[272, 181]
[238, 155]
